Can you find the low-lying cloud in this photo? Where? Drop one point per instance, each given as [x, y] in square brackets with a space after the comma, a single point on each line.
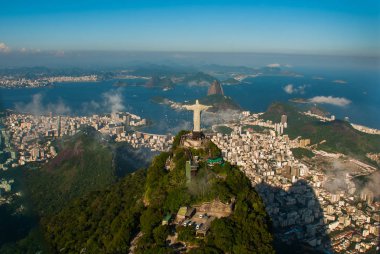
[291, 89]
[373, 184]
[4, 48]
[336, 179]
[36, 107]
[198, 83]
[182, 125]
[339, 81]
[337, 101]
[225, 116]
[29, 51]
[59, 53]
[113, 100]
[274, 65]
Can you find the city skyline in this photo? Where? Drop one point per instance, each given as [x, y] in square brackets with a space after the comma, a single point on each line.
[288, 27]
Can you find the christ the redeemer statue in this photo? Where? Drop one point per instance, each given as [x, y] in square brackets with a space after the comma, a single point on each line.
[197, 108]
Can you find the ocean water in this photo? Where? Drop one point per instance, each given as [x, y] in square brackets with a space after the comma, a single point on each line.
[362, 90]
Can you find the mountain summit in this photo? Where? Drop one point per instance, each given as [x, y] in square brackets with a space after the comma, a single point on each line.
[215, 88]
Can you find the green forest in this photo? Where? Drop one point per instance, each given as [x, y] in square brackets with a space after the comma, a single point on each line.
[104, 219]
[86, 163]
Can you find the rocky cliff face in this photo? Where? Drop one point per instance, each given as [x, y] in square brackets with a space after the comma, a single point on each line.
[215, 88]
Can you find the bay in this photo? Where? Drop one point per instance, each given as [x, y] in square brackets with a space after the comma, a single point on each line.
[361, 89]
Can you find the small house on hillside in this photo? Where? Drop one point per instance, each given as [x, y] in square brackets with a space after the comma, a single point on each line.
[168, 163]
[202, 232]
[181, 213]
[166, 220]
[190, 212]
[185, 213]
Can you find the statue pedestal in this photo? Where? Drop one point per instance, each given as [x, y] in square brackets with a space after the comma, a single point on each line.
[197, 135]
[195, 139]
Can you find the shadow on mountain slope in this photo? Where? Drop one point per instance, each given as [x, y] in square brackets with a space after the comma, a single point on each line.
[297, 218]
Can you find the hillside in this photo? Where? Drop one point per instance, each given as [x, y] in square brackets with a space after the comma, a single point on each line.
[215, 89]
[231, 81]
[86, 162]
[219, 102]
[161, 82]
[100, 222]
[153, 82]
[244, 231]
[83, 164]
[106, 221]
[198, 78]
[339, 135]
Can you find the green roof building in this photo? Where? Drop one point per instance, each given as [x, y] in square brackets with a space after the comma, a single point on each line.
[212, 162]
[166, 220]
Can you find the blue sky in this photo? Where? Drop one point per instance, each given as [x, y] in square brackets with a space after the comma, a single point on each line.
[310, 27]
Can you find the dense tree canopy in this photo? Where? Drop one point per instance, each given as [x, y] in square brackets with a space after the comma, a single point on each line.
[106, 221]
[245, 231]
[101, 222]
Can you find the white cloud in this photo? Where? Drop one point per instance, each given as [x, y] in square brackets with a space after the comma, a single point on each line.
[36, 107]
[181, 125]
[29, 50]
[337, 101]
[273, 65]
[198, 83]
[113, 100]
[339, 81]
[59, 53]
[289, 89]
[4, 48]
[225, 116]
[301, 89]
